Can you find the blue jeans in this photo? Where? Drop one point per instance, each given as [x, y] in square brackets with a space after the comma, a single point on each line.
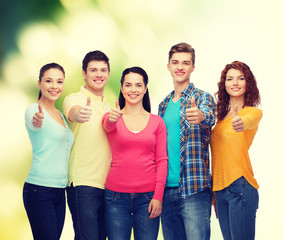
[127, 210]
[45, 207]
[86, 205]
[186, 218]
[236, 210]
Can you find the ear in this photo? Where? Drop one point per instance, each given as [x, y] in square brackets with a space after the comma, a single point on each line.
[84, 74]
[38, 84]
[145, 89]
[168, 66]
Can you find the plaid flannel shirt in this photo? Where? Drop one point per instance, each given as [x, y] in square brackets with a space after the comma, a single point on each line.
[194, 141]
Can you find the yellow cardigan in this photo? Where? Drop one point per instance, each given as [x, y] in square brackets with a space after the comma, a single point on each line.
[229, 149]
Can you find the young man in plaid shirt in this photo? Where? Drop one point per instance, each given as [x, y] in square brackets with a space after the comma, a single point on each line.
[189, 115]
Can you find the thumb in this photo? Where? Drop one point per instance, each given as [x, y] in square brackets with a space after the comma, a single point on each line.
[235, 111]
[39, 108]
[117, 104]
[192, 101]
[88, 102]
[150, 207]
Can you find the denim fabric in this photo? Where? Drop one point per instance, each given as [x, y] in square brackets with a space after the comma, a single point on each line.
[236, 210]
[186, 218]
[45, 207]
[86, 205]
[127, 210]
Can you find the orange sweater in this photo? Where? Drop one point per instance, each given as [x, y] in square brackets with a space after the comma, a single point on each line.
[229, 149]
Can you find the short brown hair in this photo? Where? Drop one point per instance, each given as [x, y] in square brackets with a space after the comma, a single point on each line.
[182, 47]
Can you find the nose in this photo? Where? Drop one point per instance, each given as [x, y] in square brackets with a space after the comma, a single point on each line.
[235, 82]
[54, 84]
[133, 88]
[180, 65]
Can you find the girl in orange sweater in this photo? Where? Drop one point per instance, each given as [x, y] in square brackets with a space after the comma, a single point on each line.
[234, 184]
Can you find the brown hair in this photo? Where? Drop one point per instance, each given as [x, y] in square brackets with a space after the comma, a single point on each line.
[252, 97]
[182, 47]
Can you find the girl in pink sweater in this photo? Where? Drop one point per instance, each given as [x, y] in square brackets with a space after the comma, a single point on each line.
[137, 177]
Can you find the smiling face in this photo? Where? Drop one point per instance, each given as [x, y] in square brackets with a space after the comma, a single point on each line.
[181, 67]
[96, 77]
[51, 84]
[235, 83]
[133, 88]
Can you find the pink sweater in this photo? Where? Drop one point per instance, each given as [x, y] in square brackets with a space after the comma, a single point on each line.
[139, 160]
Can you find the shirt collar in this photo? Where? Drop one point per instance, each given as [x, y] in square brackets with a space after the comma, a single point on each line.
[188, 90]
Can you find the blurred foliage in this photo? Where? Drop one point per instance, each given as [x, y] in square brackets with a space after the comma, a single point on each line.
[14, 14]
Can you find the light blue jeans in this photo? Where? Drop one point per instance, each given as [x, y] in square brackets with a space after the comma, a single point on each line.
[126, 210]
[236, 210]
[187, 218]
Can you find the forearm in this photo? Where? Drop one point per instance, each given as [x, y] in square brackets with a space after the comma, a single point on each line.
[252, 119]
[161, 178]
[107, 124]
[207, 107]
[74, 114]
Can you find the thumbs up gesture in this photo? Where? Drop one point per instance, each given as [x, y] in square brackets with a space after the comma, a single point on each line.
[193, 114]
[237, 122]
[85, 112]
[38, 117]
[115, 113]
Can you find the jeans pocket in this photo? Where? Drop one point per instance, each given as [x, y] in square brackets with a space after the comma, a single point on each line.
[235, 190]
[110, 195]
[149, 195]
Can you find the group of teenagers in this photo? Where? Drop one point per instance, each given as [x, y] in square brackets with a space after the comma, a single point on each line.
[124, 168]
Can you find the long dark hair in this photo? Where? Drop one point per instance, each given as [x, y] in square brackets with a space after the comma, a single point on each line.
[252, 97]
[46, 67]
[146, 98]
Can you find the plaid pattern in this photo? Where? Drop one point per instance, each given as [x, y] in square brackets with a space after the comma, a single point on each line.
[194, 141]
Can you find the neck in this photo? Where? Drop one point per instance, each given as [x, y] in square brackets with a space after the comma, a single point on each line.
[98, 93]
[48, 105]
[136, 109]
[179, 87]
[237, 101]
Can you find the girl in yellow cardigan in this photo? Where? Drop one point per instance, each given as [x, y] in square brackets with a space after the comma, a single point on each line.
[234, 184]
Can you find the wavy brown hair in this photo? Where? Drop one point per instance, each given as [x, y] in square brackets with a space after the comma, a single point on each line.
[252, 97]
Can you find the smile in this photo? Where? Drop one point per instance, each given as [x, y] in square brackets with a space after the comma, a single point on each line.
[235, 89]
[133, 95]
[179, 73]
[98, 81]
[53, 92]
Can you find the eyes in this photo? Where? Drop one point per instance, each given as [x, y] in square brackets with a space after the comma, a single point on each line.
[187, 63]
[238, 78]
[139, 85]
[59, 81]
[104, 70]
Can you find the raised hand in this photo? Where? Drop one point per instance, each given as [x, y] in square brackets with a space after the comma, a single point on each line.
[38, 117]
[115, 113]
[85, 112]
[193, 114]
[237, 122]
